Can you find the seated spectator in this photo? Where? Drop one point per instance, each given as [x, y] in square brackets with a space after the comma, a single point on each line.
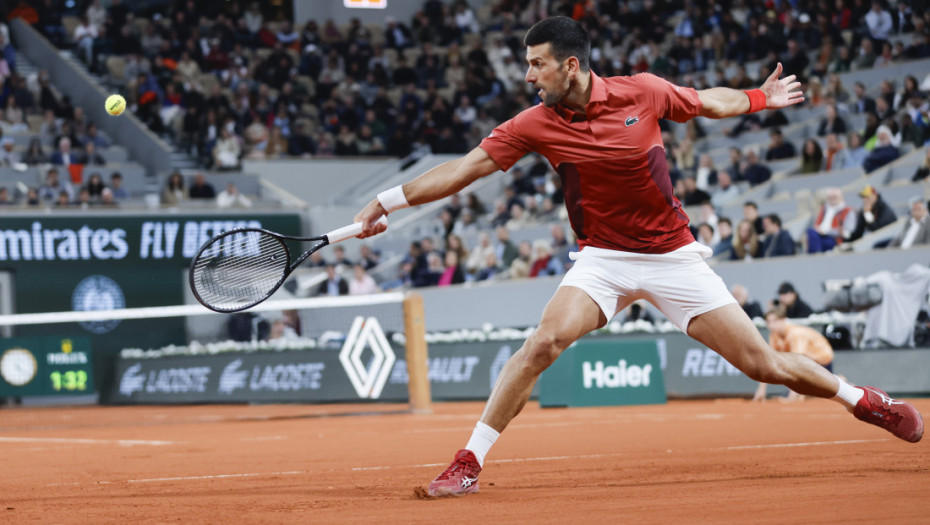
[340, 258]
[8, 157]
[791, 302]
[751, 214]
[32, 197]
[745, 242]
[362, 283]
[490, 270]
[724, 246]
[116, 186]
[478, 256]
[862, 103]
[831, 122]
[95, 186]
[741, 294]
[917, 229]
[754, 172]
[705, 235]
[106, 199]
[64, 156]
[734, 169]
[924, 169]
[5, 198]
[226, 152]
[834, 222]
[63, 199]
[833, 152]
[301, 144]
[92, 136]
[232, 198]
[543, 262]
[334, 284]
[811, 157]
[84, 35]
[201, 189]
[778, 242]
[91, 156]
[452, 273]
[316, 260]
[53, 187]
[174, 191]
[14, 120]
[855, 153]
[34, 153]
[885, 151]
[367, 257]
[692, 195]
[778, 147]
[706, 175]
[874, 214]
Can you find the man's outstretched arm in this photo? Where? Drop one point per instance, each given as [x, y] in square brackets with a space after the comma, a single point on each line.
[775, 93]
[443, 180]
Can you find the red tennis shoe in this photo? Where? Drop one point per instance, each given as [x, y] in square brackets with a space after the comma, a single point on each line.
[897, 417]
[460, 478]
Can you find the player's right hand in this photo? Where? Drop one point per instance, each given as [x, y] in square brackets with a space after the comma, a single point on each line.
[369, 218]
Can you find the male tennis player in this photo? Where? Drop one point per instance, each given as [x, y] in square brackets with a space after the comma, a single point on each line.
[602, 136]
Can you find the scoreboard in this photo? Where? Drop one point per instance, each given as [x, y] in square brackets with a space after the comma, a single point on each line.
[44, 366]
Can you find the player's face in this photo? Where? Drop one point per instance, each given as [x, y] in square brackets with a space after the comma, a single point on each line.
[547, 74]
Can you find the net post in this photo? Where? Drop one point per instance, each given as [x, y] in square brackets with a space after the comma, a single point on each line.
[417, 354]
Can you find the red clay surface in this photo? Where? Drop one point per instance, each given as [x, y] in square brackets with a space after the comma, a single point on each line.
[687, 462]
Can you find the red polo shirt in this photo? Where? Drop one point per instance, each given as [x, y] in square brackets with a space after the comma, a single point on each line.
[611, 160]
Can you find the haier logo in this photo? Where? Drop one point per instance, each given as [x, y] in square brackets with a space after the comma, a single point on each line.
[620, 376]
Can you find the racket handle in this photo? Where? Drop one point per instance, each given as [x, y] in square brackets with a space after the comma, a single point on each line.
[347, 232]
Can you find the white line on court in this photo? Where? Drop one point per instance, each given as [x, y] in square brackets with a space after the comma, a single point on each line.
[435, 465]
[809, 444]
[85, 441]
[596, 456]
[263, 438]
[187, 478]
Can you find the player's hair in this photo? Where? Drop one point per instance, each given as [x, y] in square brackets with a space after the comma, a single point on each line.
[566, 38]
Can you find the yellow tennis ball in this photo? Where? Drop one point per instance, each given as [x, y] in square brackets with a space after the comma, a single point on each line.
[115, 104]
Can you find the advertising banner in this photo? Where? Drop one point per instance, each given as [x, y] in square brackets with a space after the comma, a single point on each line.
[98, 262]
[456, 372]
[604, 373]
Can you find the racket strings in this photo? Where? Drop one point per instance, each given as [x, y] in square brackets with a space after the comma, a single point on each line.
[238, 270]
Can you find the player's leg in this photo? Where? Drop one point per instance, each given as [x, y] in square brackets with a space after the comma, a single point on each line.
[692, 296]
[730, 332]
[570, 314]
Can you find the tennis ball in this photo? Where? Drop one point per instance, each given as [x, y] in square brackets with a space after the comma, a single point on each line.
[115, 104]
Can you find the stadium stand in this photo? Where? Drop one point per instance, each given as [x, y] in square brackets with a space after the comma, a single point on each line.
[316, 90]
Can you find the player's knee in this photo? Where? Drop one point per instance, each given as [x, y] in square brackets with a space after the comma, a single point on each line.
[542, 349]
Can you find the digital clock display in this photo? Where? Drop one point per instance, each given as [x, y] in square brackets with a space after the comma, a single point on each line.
[42, 366]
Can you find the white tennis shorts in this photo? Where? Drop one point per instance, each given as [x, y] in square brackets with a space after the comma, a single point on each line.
[678, 283]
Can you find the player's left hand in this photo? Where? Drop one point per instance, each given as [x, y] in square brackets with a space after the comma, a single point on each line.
[783, 92]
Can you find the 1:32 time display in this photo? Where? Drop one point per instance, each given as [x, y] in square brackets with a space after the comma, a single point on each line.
[70, 380]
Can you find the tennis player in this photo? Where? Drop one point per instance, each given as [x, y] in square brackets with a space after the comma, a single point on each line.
[602, 136]
[785, 336]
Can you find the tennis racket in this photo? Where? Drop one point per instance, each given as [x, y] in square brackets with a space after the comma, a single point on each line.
[240, 268]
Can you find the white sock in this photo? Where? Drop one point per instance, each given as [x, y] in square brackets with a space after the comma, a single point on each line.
[482, 439]
[848, 395]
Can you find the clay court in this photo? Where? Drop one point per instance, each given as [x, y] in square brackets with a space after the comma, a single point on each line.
[727, 461]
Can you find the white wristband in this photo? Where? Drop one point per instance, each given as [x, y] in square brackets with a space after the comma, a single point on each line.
[393, 199]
